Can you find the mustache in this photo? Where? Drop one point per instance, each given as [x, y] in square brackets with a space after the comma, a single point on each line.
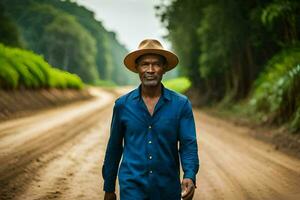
[149, 76]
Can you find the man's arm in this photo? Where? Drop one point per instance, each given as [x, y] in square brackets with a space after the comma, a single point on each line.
[188, 149]
[113, 151]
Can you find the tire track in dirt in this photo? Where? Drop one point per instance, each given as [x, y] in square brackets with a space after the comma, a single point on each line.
[37, 146]
[236, 166]
[7, 128]
[74, 174]
[22, 163]
[233, 165]
[42, 126]
[225, 186]
[233, 184]
[240, 136]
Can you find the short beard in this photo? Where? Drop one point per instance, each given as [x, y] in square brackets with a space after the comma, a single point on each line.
[151, 83]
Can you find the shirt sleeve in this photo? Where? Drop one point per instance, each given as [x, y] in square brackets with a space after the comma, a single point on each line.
[188, 148]
[113, 151]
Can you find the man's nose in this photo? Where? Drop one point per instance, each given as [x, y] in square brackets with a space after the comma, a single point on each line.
[150, 68]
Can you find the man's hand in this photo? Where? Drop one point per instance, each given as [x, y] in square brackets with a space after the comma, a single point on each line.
[187, 189]
[110, 196]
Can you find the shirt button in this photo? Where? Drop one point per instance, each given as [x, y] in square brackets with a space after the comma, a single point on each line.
[150, 127]
[150, 157]
[150, 171]
[150, 142]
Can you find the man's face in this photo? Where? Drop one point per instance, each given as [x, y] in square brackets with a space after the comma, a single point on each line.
[151, 69]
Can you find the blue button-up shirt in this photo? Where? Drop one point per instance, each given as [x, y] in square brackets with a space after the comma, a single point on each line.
[151, 146]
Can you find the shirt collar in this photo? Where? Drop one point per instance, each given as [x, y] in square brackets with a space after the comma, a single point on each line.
[165, 93]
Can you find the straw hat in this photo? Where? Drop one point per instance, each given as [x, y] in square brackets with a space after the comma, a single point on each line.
[150, 46]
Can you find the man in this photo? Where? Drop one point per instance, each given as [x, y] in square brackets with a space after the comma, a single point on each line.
[147, 125]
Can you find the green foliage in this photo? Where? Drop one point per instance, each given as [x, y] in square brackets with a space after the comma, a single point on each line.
[212, 39]
[295, 124]
[64, 79]
[182, 18]
[276, 93]
[274, 10]
[181, 84]
[95, 28]
[231, 49]
[69, 36]
[282, 16]
[69, 45]
[214, 42]
[61, 39]
[104, 83]
[116, 71]
[21, 68]
[9, 77]
[9, 33]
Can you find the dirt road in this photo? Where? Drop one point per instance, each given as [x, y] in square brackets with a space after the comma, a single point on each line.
[58, 154]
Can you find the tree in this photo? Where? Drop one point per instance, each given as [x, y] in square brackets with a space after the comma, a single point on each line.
[181, 18]
[9, 33]
[69, 45]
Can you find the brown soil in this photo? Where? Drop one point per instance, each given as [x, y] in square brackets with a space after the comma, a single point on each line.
[58, 154]
[235, 165]
[279, 136]
[22, 102]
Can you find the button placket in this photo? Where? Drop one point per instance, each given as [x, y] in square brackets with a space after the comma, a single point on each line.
[149, 139]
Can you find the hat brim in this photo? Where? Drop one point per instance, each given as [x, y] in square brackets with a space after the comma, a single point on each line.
[129, 60]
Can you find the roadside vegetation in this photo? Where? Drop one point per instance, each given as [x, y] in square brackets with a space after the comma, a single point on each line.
[22, 68]
[180, 84]
[242, 57]
[68, 37]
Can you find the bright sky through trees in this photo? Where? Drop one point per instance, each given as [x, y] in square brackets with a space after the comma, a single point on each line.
[132, 20]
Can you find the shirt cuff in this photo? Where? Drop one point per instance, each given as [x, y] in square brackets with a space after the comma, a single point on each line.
[108, 187]
[190, 175]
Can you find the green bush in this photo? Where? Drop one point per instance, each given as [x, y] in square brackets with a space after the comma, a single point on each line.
[24, 68]
[63, 79]
[31, 75]
[9, 77]
[295, 123]
[104, 83]
[180, 84]
[276, 93]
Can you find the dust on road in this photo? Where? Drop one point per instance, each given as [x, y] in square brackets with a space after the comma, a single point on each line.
[58, 154]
